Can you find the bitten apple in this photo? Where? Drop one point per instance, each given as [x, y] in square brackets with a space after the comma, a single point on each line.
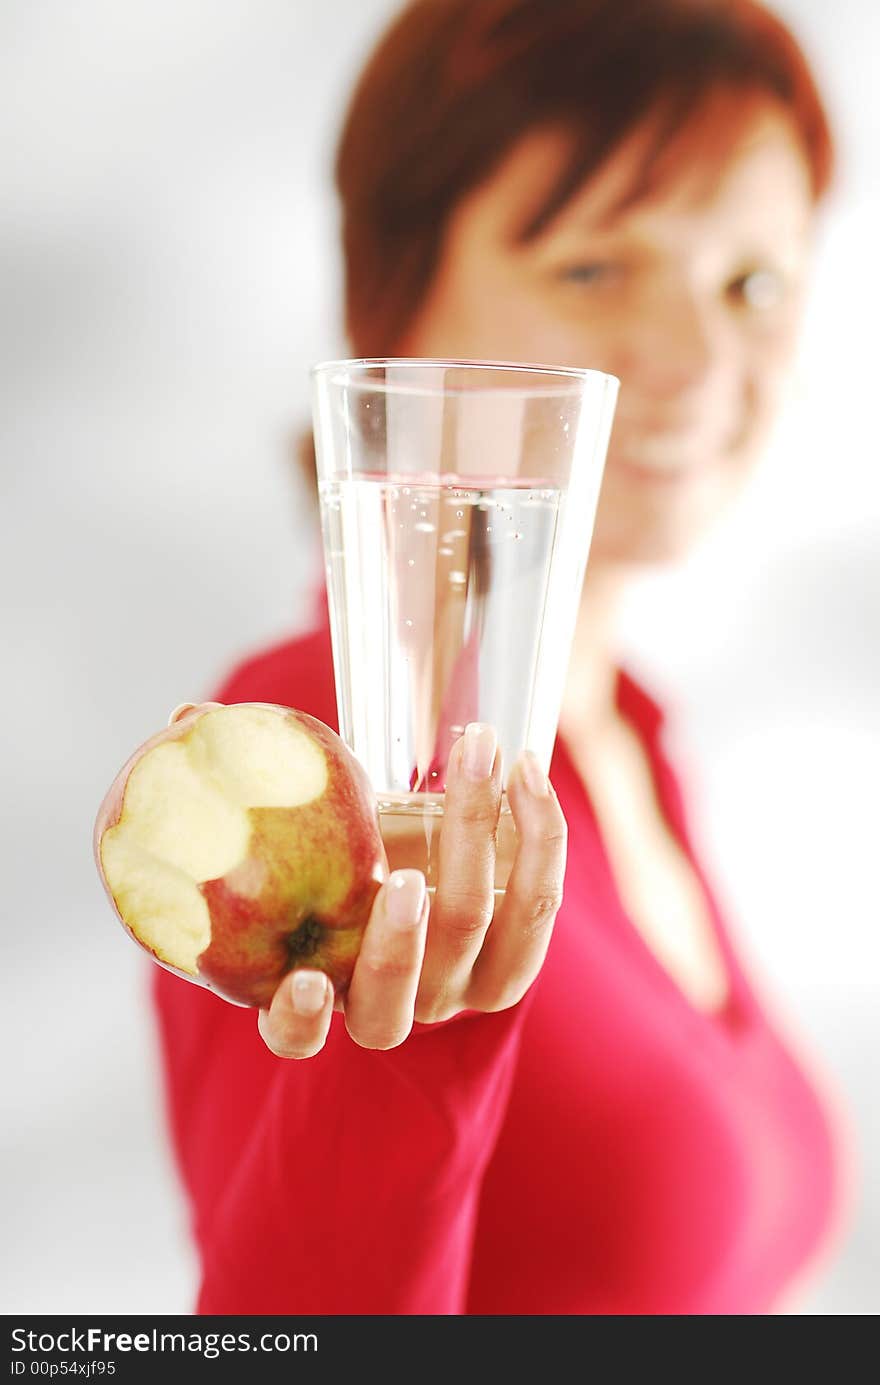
[239, 842]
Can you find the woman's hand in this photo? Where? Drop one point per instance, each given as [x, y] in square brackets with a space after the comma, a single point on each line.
[412, 967]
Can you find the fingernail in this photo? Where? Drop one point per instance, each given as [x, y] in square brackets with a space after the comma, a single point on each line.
[480, 744]
[405, 897]
[535, 778]
[308, 992]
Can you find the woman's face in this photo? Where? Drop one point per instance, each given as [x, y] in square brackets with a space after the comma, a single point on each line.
[691, 296]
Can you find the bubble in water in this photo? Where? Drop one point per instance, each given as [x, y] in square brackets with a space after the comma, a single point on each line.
[445, 552]
[516, 536]
[410, 562]
[408, 623]
[457, 577]
[425, 528]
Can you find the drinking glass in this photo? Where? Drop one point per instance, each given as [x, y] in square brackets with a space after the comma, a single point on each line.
[457, 502]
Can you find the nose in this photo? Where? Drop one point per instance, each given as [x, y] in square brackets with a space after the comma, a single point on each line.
[680, 348]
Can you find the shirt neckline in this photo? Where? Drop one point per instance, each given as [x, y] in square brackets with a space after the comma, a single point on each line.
[648, 720]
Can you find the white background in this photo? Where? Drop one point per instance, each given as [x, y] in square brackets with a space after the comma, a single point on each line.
[169, 271]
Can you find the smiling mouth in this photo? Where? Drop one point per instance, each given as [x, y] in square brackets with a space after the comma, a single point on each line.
[653, 473]
[672, 460]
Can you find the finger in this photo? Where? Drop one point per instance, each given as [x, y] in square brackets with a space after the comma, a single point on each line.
[465, 896]
[517, 942]
[380, 1003]
[298, 1019]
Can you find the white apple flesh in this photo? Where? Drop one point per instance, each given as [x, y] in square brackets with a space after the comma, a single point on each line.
[239, 842]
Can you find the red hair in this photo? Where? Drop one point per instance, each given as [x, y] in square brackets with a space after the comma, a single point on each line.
[454, 83]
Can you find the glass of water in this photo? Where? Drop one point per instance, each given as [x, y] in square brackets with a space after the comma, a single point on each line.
[457, 503]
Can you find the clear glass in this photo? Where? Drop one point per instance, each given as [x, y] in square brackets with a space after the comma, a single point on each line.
[457, 506]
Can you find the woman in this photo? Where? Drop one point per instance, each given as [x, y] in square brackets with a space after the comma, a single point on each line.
[579, 1106]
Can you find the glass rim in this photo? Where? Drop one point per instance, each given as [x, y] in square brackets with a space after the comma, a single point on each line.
[345, 371]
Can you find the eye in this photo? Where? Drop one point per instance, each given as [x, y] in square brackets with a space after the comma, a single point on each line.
[758, 288]
[587, 272]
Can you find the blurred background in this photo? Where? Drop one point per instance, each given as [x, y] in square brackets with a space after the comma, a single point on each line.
[169, 271]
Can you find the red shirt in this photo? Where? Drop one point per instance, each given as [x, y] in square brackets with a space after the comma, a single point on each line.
[603, 1147]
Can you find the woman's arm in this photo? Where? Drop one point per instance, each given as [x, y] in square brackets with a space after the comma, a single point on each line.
[345, 1183]
[330, 1172]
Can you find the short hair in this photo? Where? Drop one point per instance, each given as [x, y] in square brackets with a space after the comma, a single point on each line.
[453, 84]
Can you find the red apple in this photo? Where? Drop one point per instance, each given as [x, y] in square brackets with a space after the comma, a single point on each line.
[239, 842]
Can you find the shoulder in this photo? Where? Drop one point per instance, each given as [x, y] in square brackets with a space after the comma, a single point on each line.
[296, 671]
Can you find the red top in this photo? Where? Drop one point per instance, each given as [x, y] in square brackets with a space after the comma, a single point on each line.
[601, 1148]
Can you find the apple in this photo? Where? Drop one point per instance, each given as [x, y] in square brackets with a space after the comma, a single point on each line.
[239, 842]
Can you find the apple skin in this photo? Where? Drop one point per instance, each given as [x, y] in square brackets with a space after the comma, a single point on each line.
[302, 894]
